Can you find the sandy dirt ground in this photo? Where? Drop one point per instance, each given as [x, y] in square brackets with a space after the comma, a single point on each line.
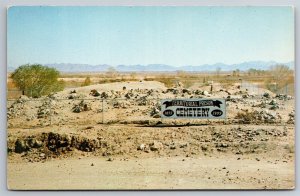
[223, 172]
[64, 142]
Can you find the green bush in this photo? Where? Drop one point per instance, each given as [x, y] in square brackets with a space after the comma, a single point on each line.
[36, 80]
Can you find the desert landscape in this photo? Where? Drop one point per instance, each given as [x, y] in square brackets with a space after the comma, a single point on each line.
[150, 97]
[112, 136]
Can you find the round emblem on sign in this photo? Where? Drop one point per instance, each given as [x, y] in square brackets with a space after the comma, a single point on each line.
[216, 113]
[168, 112]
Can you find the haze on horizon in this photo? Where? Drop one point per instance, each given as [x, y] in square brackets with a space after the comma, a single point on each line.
[174, 36]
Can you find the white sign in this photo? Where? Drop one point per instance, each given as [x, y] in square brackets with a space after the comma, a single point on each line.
[193, 108]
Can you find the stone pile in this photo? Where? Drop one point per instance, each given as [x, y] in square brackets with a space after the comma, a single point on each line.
[82, 106]
[44, 110]
[291, 119]
[264, 116]
[17, 107]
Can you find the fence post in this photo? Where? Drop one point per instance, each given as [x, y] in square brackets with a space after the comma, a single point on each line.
[159, 103]
[50, 112]
[102, 111]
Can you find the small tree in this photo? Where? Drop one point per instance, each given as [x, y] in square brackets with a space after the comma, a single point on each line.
[36, 80]
[133, 75]
[218, 71]
[181, 73]
[237, 72]
[234, 73]
[252, 72]
[280, 72]
[281, 76]
[87, 81]
[112, 72]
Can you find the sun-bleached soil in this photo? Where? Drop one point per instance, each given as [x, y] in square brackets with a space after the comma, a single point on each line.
[111, 136]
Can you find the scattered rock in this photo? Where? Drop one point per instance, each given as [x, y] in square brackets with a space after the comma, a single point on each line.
[204, 147]
[110, 159]
[273, 102]
[283, 97]
[156, 146]
[42, 155]
[34, 143]
[94, 93]
[82, 106]
[155, 112]
[104, 95]
[141, 147]
[21, 146]
[205, 93]
[266, 95]
[73, 96]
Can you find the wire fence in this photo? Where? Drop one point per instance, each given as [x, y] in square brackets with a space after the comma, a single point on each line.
[33, 113]
[288, 89]
[81, 114]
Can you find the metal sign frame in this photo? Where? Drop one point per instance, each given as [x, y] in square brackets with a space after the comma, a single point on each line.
[196, 108]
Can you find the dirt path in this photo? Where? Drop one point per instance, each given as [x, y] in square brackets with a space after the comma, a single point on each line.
[234, 172]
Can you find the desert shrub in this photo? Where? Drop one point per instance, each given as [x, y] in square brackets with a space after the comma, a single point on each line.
[167, 81]
[187, 83]
[36, 80]
[246, 116]
[87, 81]
[112, 72]
[280, 76]
[227, 82]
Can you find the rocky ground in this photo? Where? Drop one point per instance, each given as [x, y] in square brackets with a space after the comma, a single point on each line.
[96, 129]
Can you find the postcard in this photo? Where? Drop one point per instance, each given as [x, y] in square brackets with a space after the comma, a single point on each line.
[150, 98]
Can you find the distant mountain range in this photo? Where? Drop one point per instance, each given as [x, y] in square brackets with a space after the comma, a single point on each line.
[70, 67]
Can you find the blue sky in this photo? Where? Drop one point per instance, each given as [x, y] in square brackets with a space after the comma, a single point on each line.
[149, 35]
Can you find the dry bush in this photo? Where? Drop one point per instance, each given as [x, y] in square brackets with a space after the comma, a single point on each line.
[226, 82]
[187, 83]
[87, 81]
[112, 80]
[280, 76]
[167, 80]
[246, 116]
